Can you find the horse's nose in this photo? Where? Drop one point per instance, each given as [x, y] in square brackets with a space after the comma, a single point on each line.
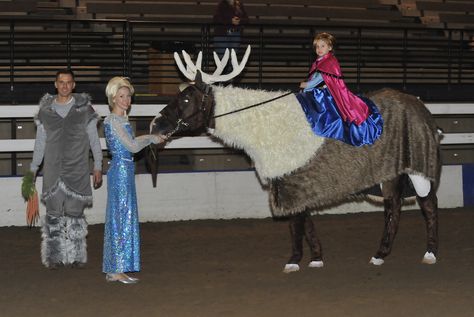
[160, 125]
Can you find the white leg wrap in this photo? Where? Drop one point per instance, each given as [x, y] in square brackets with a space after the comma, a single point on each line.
[429, 258]
[376, 261]
[291, 268]
[421, 184]
[316, 264]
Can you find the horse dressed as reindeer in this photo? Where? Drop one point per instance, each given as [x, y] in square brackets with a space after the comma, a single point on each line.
[305, 171]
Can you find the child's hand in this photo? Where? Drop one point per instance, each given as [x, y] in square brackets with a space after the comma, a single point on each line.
[303, 85]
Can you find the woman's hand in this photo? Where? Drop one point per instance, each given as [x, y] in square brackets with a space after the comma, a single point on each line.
[159, 139]
[303, 84]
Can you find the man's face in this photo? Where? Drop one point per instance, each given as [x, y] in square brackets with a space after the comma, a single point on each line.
[65, 85]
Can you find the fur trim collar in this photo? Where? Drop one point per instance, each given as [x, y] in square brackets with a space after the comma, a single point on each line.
[82, 102]
[276, 136]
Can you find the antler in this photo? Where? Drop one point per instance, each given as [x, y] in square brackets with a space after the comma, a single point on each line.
[191, 69]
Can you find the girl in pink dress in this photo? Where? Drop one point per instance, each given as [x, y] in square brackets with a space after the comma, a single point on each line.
[331, 108]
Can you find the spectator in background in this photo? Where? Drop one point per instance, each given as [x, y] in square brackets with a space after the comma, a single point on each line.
[229, 18]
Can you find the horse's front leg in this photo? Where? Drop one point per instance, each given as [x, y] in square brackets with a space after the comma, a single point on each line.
[296, 225]
[313, 242]
[392, 191]
[301, 226]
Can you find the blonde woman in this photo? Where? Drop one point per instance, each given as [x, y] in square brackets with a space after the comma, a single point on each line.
[121, 235]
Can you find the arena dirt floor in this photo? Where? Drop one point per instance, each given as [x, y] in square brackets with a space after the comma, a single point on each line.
[234, 268]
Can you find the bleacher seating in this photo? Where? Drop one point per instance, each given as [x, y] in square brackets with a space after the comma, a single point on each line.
[432, 13]
[286, 49]
[35, 9]
[17, 8]
[259, 11]
[455, 13]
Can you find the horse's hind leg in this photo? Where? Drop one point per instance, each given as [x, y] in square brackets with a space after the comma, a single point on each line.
[429, 208]
[301, 226]
[428, 202]
[392, 191]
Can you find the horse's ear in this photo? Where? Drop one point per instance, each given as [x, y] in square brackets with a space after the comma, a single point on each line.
[183, 86]
[198, 79]
[199, 83]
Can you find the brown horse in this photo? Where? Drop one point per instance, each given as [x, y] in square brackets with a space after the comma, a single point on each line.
[305, 171]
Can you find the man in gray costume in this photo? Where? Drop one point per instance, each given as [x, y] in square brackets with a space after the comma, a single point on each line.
[66, 132]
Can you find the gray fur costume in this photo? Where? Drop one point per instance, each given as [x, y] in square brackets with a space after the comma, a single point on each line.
[66, 181]
[409, 144]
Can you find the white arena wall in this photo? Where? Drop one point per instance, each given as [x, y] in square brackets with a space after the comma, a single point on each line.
[214, 195]
[205, 195]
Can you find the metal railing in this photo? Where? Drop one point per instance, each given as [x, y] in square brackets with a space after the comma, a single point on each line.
[435, 64]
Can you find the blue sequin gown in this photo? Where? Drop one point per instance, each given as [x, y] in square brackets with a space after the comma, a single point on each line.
[122, 235]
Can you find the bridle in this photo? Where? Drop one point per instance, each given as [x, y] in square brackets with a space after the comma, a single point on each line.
[181, 123]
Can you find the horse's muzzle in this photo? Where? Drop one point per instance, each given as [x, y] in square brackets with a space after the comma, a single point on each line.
[161, 125]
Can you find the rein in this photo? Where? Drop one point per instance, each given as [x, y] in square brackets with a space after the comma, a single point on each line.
[252, 106]
[181, 123]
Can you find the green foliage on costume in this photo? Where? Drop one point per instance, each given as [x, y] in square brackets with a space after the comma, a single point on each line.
[28, 185]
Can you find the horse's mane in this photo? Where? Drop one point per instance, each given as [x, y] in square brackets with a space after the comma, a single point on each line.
[276, 135]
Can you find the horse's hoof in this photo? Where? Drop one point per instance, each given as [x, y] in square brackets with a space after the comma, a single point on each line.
[376, 261]
[316, 264]
[291, 268]
[429, 258]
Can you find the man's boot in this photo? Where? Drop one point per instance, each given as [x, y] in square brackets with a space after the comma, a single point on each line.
[52, 244]
[75, 241]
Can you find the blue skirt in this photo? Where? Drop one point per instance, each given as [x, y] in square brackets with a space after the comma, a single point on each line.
[321, 111]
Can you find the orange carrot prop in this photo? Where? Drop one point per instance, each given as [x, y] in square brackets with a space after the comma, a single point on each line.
[30, 195]
[32, 210]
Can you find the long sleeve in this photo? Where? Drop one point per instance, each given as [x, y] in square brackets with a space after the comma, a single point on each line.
[315, 80]
[244, 18]
[132, 144]
[95, 144]
[223, 14]
[40, 145]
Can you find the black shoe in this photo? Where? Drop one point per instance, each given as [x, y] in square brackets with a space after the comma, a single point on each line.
[55, 266]
[78, 265]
